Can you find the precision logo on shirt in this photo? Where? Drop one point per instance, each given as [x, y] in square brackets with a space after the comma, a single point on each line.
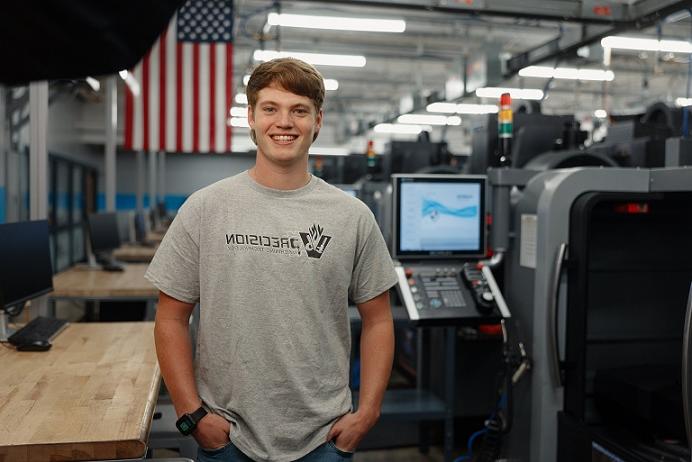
[314, 241]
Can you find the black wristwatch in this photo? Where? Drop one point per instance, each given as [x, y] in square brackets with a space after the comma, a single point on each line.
[188, 422]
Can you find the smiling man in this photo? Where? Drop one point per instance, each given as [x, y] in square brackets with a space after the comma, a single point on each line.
[273, 255]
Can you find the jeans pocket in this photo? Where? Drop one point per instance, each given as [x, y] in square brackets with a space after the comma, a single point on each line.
[340, 452]
[212, 452]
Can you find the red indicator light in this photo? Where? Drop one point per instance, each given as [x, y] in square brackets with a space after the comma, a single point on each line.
[632, 208]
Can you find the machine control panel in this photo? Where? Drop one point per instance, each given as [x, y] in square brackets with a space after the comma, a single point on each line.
[448, 293]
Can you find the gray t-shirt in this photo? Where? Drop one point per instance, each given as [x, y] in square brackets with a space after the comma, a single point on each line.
[272, 271]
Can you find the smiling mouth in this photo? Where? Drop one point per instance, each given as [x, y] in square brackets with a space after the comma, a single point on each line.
[284, 138]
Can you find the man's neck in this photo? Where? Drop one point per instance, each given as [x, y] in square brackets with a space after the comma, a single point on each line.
[279, 177]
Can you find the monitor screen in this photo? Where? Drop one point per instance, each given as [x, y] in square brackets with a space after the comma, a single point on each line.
[140, 227]
[103, 232]
[124, 221]
[26, 271]
[439, 216]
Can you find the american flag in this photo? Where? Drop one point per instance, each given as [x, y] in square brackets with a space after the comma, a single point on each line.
[185, 84]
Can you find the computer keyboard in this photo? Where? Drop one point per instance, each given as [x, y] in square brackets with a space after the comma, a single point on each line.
[40, 328]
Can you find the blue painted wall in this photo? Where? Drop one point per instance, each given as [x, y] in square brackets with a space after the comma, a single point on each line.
[125, 202]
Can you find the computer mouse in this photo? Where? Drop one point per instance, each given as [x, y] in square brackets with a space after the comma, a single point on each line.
[35, 345]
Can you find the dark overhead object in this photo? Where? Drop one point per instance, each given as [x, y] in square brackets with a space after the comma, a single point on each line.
[579, 11]
[58, 39]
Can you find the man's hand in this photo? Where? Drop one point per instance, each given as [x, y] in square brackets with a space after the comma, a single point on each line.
[212, 432]
[347, 432]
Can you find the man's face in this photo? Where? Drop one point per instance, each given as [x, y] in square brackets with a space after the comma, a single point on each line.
[284, 124]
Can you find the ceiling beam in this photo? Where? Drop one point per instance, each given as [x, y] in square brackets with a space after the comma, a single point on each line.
[566, 46]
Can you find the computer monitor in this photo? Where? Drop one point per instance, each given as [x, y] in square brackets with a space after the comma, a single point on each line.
[103, 232]
[26, 271]
[124, 226]
[140, 227]
[161, 210]
[438, 216]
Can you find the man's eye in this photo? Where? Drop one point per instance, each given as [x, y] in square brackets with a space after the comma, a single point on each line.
[301, 111]
[268, 109]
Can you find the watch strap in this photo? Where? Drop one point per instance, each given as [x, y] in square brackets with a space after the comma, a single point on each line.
[198, 414]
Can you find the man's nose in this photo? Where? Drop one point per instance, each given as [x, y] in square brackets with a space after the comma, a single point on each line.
[285, 119]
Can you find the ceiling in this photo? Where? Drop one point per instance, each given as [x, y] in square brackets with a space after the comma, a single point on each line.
[441, 36]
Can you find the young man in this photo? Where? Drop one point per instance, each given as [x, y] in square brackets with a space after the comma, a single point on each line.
[272, 256]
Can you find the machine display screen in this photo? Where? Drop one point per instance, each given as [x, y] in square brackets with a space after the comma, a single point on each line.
[439, 216]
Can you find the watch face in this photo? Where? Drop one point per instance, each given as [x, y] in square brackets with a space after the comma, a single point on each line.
[185, 425]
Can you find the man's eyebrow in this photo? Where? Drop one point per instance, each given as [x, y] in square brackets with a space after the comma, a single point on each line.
[274, 103]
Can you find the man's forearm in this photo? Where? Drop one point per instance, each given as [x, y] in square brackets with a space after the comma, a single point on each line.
[377, 354]
[174, 351]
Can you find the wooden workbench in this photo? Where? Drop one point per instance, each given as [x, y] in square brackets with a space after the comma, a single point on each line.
[83, 282]
[90, 397]
[134, 253]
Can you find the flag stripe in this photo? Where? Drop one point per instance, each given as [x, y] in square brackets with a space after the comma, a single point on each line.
[145, 102]
[129, 116]
[212, 98]
[171, 90]
[179, 98]
[221, 98]
[137, 132]
[153, 112]
[229, 94]
[195, 97]
[203, 99]
[162, 90]
[188, 143]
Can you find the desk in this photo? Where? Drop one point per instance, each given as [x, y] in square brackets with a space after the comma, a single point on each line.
[91, 396]
[134, 253]
[90, 284]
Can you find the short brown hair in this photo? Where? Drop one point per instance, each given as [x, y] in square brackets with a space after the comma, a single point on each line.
[290, 74]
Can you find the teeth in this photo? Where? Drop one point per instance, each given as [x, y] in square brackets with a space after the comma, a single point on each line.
[284, 137]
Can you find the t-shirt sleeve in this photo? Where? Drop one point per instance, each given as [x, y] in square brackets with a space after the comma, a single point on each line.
[174, 269]
[373, 270]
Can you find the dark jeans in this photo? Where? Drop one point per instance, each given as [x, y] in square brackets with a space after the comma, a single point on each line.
[229, 453]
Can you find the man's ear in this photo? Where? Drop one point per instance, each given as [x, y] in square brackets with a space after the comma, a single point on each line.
[251, 122]
[318, 123]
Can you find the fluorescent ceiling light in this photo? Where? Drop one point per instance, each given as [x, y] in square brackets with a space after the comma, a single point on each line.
[462, 108]
[682, 102]
[401, 128]
[646, 44]
[329, 84]
[445, 108]
[428, 119]
[241, 98]
[515, 93]
[130, 81]
[570, 73]
[600, 113]
[239, 122]
[326, 151]
[336, 23]
[93, 83]
[477, 109]
[238, 111]
[317, 59]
